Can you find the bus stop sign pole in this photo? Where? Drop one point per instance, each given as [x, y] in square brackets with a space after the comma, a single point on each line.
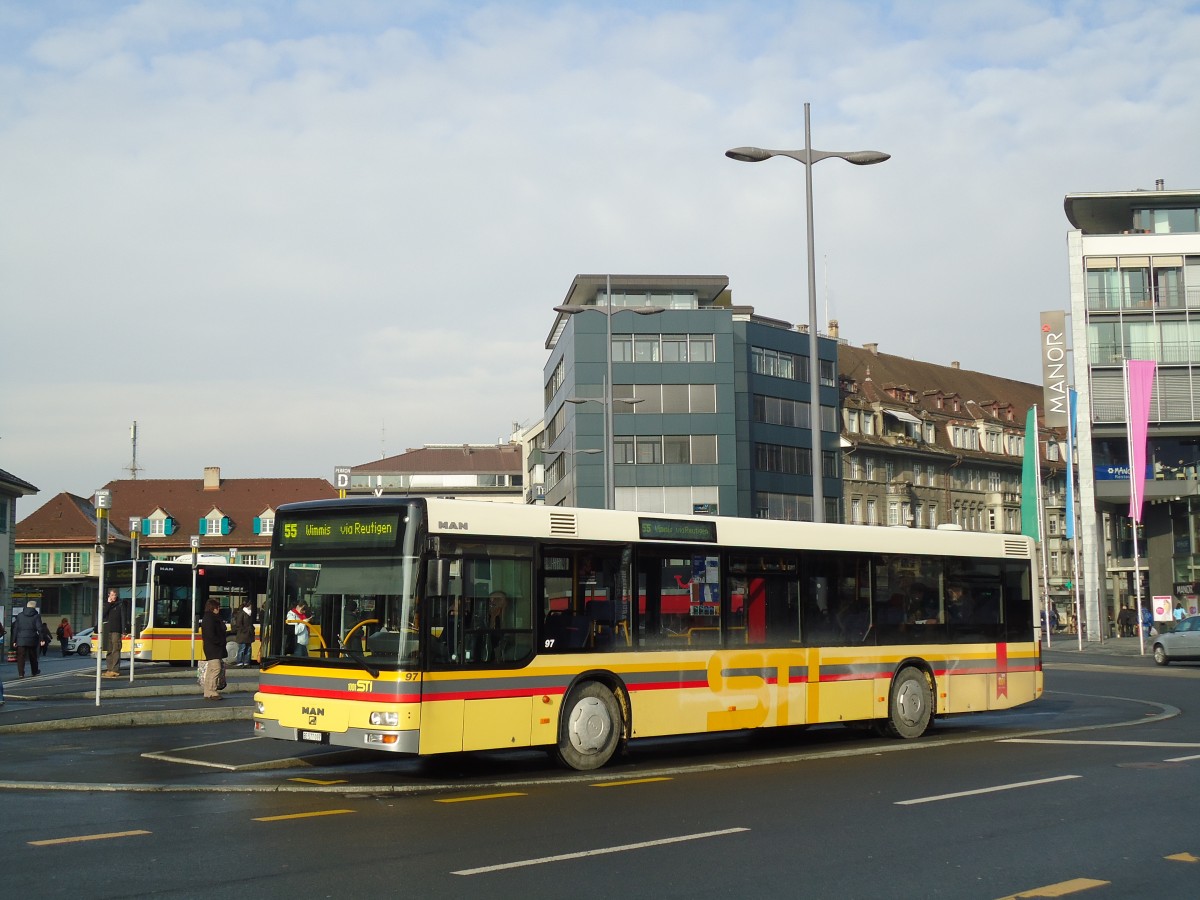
[135, 527]
[103, 502]
[195, 565]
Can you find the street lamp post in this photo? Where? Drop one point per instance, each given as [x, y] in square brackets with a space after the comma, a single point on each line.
[608, 311]
[609, 441]
[808, 156]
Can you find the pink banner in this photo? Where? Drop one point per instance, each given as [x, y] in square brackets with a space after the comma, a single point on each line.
[1139, 373]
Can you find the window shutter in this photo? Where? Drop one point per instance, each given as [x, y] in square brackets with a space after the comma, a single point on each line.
[58, 563]
[203, 527]
[145, 526]
[85, 563]
[169, 526]
[44, 563]
[258, 524]
[225, 525]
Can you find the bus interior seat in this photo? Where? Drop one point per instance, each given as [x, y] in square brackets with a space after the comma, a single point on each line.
[567, 631]
[601, 615]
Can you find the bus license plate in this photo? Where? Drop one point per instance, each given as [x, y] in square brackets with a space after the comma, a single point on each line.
[316, 737]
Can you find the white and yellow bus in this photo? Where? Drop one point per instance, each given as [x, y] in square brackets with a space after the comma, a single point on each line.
[424, 626]
[162, 626]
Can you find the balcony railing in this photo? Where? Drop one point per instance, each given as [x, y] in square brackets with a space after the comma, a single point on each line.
[1101, 300]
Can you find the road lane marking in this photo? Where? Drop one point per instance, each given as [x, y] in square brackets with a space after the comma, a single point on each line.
[1098, 743]
[305, 815]
[1182, 758]
[319, 781]
[1074, 886]
[583, 854]
[987, 790]
[87, 837]
[478, 797]
[1182, 857]
[604, 784]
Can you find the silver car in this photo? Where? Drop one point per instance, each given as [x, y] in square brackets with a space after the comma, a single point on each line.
[1182, 643]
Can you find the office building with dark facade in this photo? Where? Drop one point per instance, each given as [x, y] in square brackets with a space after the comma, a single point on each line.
[710, 402]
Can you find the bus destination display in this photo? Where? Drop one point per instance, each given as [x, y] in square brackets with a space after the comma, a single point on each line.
[373, 531]
[677, 530]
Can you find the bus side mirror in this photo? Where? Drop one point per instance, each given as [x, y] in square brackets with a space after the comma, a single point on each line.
[437, 581]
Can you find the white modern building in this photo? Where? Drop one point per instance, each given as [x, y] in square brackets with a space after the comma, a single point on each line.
[1135, 294]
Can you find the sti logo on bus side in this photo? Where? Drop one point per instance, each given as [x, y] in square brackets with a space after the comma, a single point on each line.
[454, 526]
[360, 687]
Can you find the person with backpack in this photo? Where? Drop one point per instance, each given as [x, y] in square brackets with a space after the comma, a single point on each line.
[64, 634]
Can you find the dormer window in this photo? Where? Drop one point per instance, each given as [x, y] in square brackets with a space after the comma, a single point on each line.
[264, 522]
[159, 524]
[215, 524]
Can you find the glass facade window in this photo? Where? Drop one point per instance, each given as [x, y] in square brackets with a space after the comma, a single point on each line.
[674, 348]
[622, 348]
[676, 449]
[649, 449]
[781, 411]
[788, 507]
[704, 449]
[701, 348]
[776, 363]
[646, 348]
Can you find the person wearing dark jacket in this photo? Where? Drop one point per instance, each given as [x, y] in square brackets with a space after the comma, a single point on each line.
[26, 636]
[243, 633]
[114, 627]
[212, 632]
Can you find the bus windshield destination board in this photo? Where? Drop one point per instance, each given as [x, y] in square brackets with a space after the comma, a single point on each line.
[376, 531]
[677, 530]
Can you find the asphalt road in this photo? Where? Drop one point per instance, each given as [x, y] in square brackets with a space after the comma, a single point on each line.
[1091, 791]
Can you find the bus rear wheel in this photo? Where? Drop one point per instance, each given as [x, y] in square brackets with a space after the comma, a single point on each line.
[910, 705]
[591, 727]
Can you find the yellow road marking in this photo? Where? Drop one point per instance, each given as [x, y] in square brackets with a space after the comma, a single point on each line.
[1059, 890]
[305, 815]
[1183, 857]
[631, 781]
[87, 837]
[476, 797]
[318, 781]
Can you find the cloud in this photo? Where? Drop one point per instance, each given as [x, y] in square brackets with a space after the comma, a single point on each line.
[284, 241]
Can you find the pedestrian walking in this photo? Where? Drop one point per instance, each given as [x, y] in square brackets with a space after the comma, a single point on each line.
[114, 628]
[2, 633]
[46, 638]
[27, 634]
[64, 634]
[212, 632]
[243, 633]
[1147, 621]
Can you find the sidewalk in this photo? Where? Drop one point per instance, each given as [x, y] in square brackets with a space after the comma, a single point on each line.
[1069, 643]
[63, 697]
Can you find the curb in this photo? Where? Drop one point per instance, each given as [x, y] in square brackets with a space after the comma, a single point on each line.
[132, 720]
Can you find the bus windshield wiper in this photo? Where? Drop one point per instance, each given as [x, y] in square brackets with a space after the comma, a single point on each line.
[361, 660]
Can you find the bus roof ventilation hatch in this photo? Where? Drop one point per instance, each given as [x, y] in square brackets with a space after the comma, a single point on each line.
[562, 523]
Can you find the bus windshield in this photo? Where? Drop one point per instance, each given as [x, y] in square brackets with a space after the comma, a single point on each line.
[345, 609]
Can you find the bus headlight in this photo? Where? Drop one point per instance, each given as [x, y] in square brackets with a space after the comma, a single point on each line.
[259, 707]
[386, 719]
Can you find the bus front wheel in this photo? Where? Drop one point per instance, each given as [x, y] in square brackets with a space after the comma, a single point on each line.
[590, 729]
[910, 706]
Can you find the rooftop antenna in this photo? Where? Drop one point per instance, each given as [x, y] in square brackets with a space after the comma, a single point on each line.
[134, 468]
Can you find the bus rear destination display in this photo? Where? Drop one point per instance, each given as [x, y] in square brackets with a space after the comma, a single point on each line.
[376, 531]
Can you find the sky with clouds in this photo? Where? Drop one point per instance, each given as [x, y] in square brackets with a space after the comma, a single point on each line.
[287, 236]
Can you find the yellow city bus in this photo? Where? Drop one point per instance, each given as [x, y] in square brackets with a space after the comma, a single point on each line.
[421, 626]
[162, 630]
